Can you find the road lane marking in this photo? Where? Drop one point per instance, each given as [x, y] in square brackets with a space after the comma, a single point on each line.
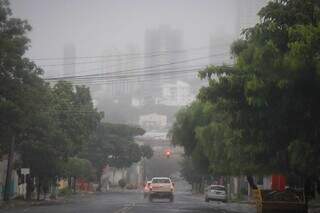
[126, 208]
[123, 210]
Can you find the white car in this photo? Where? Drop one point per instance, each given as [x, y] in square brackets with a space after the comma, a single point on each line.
[161, 187]
[216, 192]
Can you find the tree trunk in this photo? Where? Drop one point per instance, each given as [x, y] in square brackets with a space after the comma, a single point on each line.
[144, 171]
[6, 195]
[74, 184]
[69, 182]
[29, 187]
[38, 188]
[238, 187]
[309, 191]
[251, 182]
[99, 174]
[113, 174]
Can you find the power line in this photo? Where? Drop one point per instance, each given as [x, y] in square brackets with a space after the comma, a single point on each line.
[104, 61]
[124, 72]
[83, 111]
[127, 61]
[116, 75]
[122, 55]
[160, 81]
[134, 69]
[164, 75]
[169, 73]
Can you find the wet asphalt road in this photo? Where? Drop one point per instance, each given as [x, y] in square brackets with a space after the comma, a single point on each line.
[126, 202]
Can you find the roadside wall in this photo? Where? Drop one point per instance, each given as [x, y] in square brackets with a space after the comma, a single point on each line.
[14, 180]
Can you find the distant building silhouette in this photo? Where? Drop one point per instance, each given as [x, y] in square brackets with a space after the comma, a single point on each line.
[163, 45]
[247, 11]
[176, 94]
[166, 41]
[219, 50]
[119, 63]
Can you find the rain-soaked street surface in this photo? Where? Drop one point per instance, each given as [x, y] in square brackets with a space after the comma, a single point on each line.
[131, 202]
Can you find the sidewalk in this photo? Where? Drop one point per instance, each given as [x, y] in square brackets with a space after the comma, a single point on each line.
[314, 208]
[18, 203]
[248, 206]
[23, 203]
[235, 207]
[241, 207]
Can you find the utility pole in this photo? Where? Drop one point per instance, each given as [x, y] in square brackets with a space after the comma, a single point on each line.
[6, 195]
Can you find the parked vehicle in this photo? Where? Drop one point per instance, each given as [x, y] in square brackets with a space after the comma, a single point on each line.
[216, 192]
[161, 187]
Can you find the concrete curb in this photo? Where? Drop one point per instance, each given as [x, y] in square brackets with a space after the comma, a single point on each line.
[58, 201]
[20, 203]
[235, 207]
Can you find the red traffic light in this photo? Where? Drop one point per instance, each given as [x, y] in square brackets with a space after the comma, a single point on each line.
[168, 153]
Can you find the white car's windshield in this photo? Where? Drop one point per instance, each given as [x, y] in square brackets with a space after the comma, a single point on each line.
[219, 188]
[162, 180]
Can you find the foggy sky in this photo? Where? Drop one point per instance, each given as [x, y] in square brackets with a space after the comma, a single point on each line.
[97, 26]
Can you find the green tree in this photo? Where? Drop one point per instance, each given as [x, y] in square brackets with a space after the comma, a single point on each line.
[75, 116]
[184, 133]
[270, 94]
[146, 151]
[193, 173]
[43, 124]
[77, 168]
[58, 131]
[124, 153]
[22, 91]
[113, 144]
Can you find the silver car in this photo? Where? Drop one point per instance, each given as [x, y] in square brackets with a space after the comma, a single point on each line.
[216, 192]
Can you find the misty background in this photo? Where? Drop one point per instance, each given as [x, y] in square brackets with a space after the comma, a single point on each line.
[99, 25]
[144, 55]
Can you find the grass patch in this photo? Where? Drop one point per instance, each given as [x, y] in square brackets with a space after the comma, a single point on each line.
[65, 192]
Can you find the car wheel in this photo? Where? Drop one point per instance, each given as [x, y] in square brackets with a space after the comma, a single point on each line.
[207, 199]
[150, 198]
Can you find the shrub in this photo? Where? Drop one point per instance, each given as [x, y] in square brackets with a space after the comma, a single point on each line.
[122, 183]
[65, 192]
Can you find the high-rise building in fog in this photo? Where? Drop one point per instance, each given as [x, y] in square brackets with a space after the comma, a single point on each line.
[69, 55]
[219, 51]
[166, 40]
[117, 64]
[133, 61]
[162, 46]
[247, 11]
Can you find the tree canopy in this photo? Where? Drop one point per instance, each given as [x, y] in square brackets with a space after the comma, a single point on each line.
[146, 151]
[52, 125]
[265, 114]
[113, 145]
